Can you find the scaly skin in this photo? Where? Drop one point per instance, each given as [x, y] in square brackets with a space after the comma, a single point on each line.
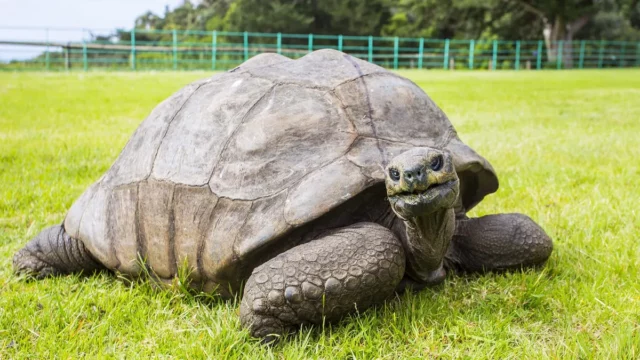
[347, 269]
[423, 187]
[498, 242]
[54, 252]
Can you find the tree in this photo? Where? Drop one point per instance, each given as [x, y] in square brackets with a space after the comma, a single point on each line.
[561, 21]
[352, 17]
[267, 16]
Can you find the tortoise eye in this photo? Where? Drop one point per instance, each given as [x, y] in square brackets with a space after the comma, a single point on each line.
[394, 174]
[436, 163]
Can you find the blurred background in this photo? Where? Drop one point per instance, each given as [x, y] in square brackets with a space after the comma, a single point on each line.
[220, 34]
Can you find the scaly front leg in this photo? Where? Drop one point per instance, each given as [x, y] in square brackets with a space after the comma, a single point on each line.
[345, 270]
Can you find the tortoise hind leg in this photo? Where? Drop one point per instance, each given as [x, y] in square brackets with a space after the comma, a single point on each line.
[344, 270]
[498, 242]
[54, 252]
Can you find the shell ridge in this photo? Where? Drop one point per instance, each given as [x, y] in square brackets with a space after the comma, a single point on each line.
[276, 83]
[333, 94]
[136, 224]
[369, 107]
[142, 238]
[109, 235]
[342, 156]
[385, 72]
[166, 130]
[202, 241]
[77, 234]
[235, 130]
[172, 233]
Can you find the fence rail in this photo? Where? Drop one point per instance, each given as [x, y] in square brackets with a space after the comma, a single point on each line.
[36, 49]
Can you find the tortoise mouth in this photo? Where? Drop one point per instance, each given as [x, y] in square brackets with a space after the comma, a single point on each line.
[425, 201]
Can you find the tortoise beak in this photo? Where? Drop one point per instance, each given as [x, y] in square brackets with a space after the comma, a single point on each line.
[421, 181]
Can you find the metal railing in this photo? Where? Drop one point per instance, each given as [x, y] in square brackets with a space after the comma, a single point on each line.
[217, 50]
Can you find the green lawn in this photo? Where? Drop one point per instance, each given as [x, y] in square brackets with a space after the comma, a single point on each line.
[566, 146]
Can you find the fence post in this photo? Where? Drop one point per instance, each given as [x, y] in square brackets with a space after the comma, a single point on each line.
[245, 45]
[601, 54]
[371, 49]
[339, 42]
[133, 49]
[517, 65]
[310, 42]
[623, 47]
[559, 54]
[279, 44]
[67, 58]
[472, 46]
[46, 55]
[581, 58]
[539, 55]
[175, 49]
[421, 54]
[495, 54]
[214, 49]
[395, 53]
[85, 64]
[446, 54]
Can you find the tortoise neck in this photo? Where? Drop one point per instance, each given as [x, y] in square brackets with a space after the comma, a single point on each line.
[426, 241]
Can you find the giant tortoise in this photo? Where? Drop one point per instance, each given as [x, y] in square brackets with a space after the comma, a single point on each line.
[312, 187]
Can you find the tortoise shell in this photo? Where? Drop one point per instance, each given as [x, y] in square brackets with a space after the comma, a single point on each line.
[222, 172]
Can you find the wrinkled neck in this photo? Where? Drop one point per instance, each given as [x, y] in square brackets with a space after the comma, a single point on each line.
[426, 241]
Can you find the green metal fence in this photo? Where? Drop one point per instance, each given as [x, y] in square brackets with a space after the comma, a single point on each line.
[216, 50]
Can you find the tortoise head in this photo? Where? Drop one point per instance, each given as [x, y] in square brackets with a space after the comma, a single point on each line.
[421, 181]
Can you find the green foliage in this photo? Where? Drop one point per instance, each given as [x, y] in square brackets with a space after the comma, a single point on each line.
[565, 146]
[455, 19]
[266, 16]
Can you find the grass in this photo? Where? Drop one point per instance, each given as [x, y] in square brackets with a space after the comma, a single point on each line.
[565, 145]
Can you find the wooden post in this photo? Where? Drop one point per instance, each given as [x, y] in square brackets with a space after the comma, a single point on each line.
[395, 53]
[245, 45]
[310, 42]
[539, 56]
[133, 49]
[471, 51]
[214, 49]
[452, 64]
[47, 61]
[495, 54]
[517, 65]
[421, 54]
[528, 64]
[339, 42]
[559, 53]
[279, 43]
[370, 57]
[601, 54]
[581, 59]
[446, 54]
[67, 61]
[175, 49]
[85, 63]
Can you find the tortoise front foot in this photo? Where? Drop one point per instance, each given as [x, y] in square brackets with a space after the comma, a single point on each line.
[498, 242]
[345, 270]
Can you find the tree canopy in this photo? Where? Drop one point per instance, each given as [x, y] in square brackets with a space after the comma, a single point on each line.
[455, 19]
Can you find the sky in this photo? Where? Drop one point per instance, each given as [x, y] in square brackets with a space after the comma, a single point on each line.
[17, 17]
